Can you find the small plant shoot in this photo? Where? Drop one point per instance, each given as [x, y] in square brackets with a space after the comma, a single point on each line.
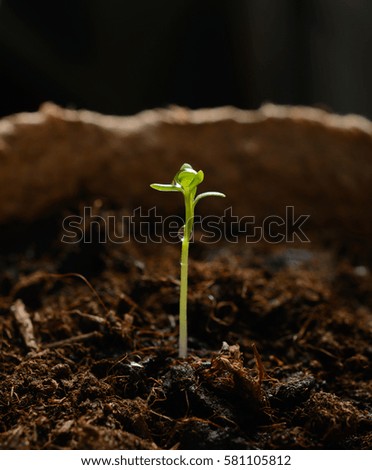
[186, 182]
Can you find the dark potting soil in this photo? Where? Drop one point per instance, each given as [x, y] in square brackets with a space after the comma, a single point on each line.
[279, 338]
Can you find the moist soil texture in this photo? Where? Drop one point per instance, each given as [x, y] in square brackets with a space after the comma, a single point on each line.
[279, 344]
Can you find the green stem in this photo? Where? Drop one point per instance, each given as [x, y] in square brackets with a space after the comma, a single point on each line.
[189, 219]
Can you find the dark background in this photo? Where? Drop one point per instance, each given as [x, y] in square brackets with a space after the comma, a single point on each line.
[120, 57]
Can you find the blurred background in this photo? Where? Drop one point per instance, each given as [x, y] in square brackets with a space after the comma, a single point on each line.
[120, 56]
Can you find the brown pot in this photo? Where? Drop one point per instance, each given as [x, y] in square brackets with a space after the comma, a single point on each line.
[264, 160]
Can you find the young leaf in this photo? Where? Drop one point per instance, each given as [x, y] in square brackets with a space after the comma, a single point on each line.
[207, 194]
[198, 178]
[165, 187]
[185, 176]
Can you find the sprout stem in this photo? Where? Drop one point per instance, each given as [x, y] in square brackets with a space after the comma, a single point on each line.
[189, 220]
[182, 348]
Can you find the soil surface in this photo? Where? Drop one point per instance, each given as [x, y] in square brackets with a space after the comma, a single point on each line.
[279, 338]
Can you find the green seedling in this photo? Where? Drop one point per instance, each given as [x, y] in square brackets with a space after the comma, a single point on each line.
[186, 182]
